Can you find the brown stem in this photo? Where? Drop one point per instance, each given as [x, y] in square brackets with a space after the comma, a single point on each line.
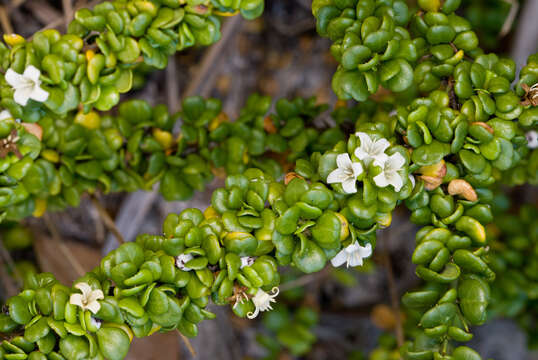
[107, 219]
[66, 252]
[187, 343]
[394, 299]
[305, 280]
[4, 21]
[11, 288]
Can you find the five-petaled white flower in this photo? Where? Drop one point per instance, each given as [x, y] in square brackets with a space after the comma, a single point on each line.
[371, 150]
[262, 301]
[352, 255]
[5, 114]
[182, 259]
[26, 85]
[390, 175]
[532, 139]
[412, 180]
[346, 173]
[88, 299]
[247, 261]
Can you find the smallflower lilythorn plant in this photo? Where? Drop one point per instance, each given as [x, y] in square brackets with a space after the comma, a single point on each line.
[454, 125]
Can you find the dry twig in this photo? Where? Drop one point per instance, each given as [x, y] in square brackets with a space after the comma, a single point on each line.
[187, 343]
[509, 21]
[393, 292]
[11, 283]
[107, 219]
[4, 21]
[66, 252]
[305, 280]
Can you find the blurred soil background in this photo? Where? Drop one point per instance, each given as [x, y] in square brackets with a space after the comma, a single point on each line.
[279, 55]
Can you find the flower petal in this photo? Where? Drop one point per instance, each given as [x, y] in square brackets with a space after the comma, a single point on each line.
[336, 176]
[349, 185]
[380, 146]
[395, 180]
[76, 299]
[365, 139]
[381, 181]
[396, 161]
[13, 78]
[32, 73]
[5, 114]
[366, 250]
[343, 161]
[357, 169]
[84, 288]
[354, 260]
[38, 94]
[22, 95]
[381, 161]
[252, 315]
[96, 295]
[339, 258]
[361, 153]
[412, 180]
[94, 307]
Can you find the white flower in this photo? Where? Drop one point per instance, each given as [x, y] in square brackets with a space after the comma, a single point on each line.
[390, 175]
[88, 299]
[346, 173]
[95, 323]
[352, 255]
[182, 259]
[247, 261]
[262, 301]
[5, 115]
[532, 139]
[412, 180]
[371, 150]
[27, 85]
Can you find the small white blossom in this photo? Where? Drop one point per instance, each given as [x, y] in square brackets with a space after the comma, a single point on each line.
[532, 139]
[182, 259]
[390, 175]
[88, 299]
[26, 85]
[346, 173]
[5, 115]
[262, 301]
[352, 255]
[95, 323]
[371, 150]
[247, 261]
[412, 180]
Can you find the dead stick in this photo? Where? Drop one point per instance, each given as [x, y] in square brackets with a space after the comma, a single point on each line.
[395, 303]
[11, 284]
[68, 11]
[107, 219]
[509, 21]
[211, 56]
[59, 21]
[187, 343]
[4, 21]
[61, 245]
[304, 280]
[14, 4]
[172, 88]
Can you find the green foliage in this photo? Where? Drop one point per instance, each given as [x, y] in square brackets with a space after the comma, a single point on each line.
[290, 330]
[458, 127]
[514, 241]
[136, 149]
